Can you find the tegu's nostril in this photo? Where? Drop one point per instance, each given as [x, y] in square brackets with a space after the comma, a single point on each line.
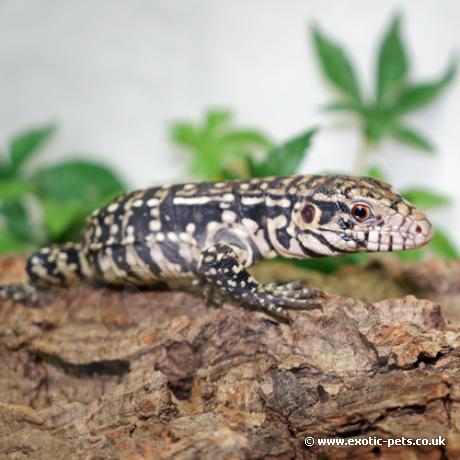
[422, 231]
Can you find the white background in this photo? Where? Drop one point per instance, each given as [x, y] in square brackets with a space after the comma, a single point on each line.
[114, 74]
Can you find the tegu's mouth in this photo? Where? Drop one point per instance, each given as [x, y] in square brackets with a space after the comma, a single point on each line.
[411, 235]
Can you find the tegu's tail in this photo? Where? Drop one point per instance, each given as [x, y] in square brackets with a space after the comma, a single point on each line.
[58, 265]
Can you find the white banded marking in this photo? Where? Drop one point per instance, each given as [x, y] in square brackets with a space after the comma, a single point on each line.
[282, 202]
[251, 200]
[191, 200]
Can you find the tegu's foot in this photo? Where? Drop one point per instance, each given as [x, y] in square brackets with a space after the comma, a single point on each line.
[31, 294]
[223, 267]
[277, 299]
[23, 292]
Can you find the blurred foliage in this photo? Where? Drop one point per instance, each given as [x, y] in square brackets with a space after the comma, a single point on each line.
[382, 115]
[49, 203]
[395, 94]
[40, 205]
[218, 148]
[222, 151]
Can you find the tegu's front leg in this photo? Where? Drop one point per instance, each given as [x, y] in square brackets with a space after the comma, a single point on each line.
[223, 266]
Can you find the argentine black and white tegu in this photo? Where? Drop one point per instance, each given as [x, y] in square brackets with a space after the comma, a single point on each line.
[214, 231]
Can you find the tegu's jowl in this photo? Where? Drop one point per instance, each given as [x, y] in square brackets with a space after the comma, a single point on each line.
[212, 232]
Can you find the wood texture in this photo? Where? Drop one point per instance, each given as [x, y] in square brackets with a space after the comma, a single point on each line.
[99, 373]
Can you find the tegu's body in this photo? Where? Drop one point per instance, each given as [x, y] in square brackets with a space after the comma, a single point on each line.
[215, 231]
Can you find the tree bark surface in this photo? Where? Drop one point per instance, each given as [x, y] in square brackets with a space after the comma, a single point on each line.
[98, 373]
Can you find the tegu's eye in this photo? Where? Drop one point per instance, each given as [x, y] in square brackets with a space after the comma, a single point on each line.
[360, 212]
[308, 213]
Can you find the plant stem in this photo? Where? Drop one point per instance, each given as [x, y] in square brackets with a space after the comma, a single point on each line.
[361, 158]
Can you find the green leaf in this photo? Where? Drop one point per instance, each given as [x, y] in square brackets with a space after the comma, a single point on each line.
[10, 189]
[184, 134]
[410, 137]
[17, 220]
[442, 245]
[285, 159]
[69, 191]
[228, 174]
[252, 167]
[77, 181]
[425, 199]
[416, 96]
[246, 138]
[392, 64]
[376, 173]
[411, 255]
[220, 151]
[217, 118]
[208, 162]
[9, 242]
[330, 265]
[24, 145]
[374, 132]
[59, 216]
[376, 125]
[336, 65]
[345, 107]
[5, 169]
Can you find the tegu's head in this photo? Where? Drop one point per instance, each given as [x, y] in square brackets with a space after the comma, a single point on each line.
[336, 214]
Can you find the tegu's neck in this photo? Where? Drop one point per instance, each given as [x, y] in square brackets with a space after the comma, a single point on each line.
[265, 210]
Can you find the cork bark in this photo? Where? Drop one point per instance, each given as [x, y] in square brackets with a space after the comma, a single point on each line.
[102, 373]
